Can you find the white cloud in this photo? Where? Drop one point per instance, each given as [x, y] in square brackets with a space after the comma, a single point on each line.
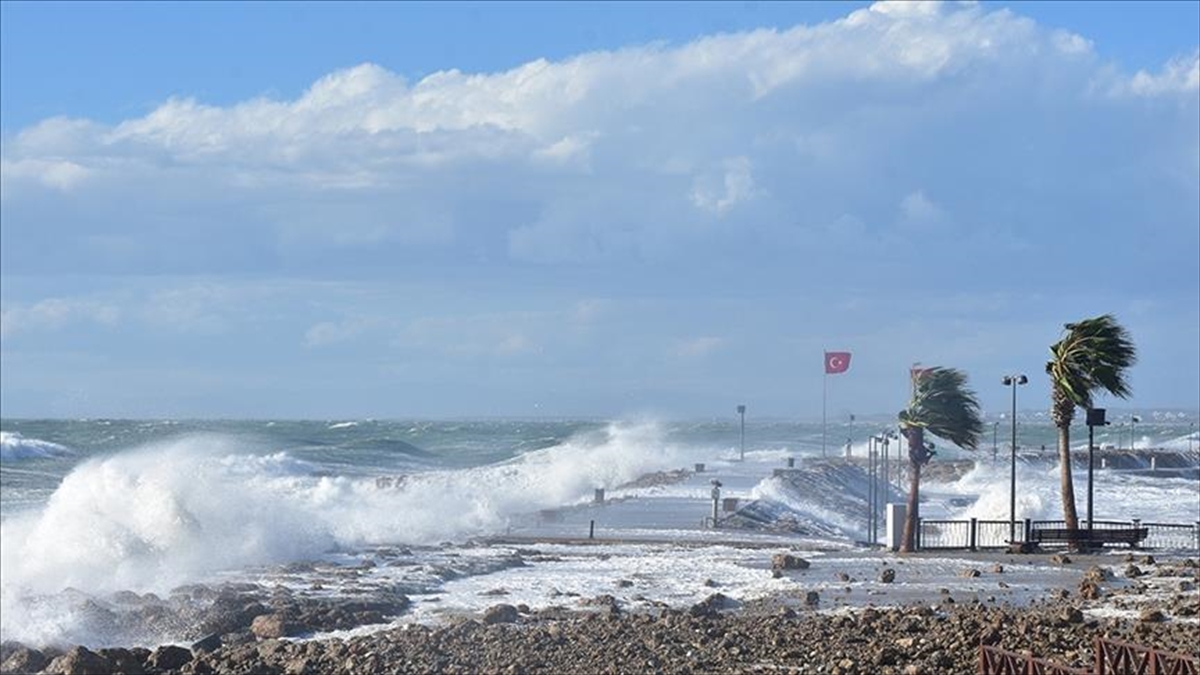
[54, 314]
[644, 153]
[1180, 75]
[327, 333]
[698, 347]
[919, 214]
[736, 184]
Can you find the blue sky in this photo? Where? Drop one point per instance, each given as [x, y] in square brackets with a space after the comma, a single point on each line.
[396, 210]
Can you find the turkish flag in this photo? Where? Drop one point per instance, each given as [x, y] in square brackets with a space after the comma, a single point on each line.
[836, 362]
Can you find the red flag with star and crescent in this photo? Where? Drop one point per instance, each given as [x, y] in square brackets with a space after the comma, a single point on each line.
[836, 362]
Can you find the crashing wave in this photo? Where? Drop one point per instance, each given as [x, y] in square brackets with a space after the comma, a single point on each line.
[14, 447]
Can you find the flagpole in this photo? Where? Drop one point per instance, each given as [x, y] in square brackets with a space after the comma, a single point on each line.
[824, 391]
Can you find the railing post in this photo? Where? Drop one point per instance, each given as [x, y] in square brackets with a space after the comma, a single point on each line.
[1028, 529]
[973, 536]
[920, 532]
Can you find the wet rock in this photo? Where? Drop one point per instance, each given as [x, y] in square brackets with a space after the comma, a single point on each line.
[843, 577]
[501, 613]
[626, 583]
[710, 606]
[786, 561]
[998, 569]
[1070, 615]
[272, 626]
[1060, 559]
[1089, 590]
[1148, 560]
[125, 661]
[812, 598]
[169, 657]
[887, 576]
[22, 659]
[1151, 615]
[969, 573]
[1133, 572]
[79, 661]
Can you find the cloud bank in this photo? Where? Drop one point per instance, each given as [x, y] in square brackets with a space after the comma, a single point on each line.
[916, 151]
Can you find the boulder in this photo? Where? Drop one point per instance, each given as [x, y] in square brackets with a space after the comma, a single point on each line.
[24, 660]
[1089, 590]
[1069, 615]
[1133, 572]
[269, 626]
[969, 573]
[169, 657]
[207, 644]
[709, 606]
[812, 598]
[500, 614]
[1150, 615]
[887, 576]
[125, 661]
[786, 561]
[79, 661]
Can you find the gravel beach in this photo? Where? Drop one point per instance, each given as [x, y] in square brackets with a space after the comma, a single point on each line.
[1135, 598]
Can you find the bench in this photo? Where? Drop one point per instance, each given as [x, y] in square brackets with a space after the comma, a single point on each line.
[1090, 538]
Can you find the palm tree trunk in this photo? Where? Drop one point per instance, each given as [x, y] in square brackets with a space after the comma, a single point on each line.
[1067, 480]
[916, 457]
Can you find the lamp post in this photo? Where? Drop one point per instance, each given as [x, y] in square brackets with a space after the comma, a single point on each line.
[1012, 381]
[995, 433]
[1133, 420]
[742, 411]
[1095, 418]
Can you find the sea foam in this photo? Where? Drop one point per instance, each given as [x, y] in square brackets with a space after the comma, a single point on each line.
[15, 447]
[154, 518]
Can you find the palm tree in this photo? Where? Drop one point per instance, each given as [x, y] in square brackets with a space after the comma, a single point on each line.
[1092, 356]
[943, 406]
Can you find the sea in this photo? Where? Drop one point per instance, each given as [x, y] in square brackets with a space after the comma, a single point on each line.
[92, 510]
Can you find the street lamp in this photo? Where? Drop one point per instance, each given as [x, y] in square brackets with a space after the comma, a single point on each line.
[1012, 381]
[1133, 420]
[1095, 418]
[742, 411]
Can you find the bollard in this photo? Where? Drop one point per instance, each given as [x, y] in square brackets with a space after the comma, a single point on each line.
[1028, 530]
[592, 529]
[598, 497]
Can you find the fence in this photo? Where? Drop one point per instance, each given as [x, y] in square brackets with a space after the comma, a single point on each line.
[1110, 657]
[977, 534]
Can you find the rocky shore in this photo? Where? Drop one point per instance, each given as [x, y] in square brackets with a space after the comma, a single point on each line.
[787, 633]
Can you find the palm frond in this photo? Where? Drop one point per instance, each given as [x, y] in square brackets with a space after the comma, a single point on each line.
[944, 406]
[1093, 356]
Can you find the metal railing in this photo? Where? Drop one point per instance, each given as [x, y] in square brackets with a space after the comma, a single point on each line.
[1109, 657]
[1172, 536]
[996, 661]
[974, 534]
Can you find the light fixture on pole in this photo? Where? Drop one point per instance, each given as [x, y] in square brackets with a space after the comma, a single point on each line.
[1133, 420]
[1012, 381]
[1095, 418]
[742, 411]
